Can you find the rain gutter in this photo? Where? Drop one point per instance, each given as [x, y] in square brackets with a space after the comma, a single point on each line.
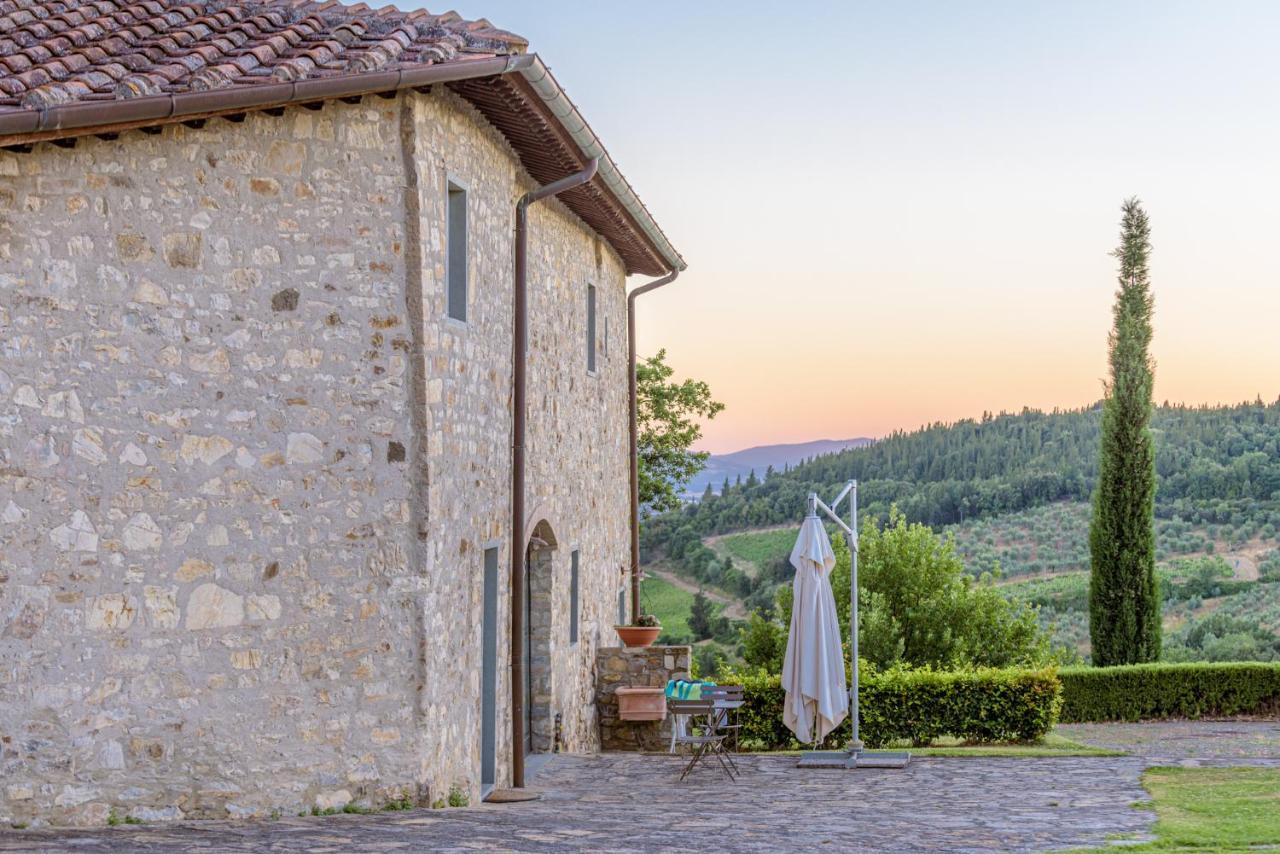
[635, 437]
[519, 384]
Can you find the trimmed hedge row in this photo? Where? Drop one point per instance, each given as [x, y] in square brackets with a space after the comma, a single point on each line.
[918, 706]
[1140, 691]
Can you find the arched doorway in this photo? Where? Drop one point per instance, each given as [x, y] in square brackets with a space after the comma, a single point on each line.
[539, 732]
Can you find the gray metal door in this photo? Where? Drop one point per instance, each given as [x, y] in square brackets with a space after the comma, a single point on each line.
[489, 674]
[528, 645]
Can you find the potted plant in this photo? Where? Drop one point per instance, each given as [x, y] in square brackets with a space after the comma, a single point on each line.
[643, 631]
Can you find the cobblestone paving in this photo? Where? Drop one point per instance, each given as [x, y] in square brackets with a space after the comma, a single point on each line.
[626, 802]
[1187, 742]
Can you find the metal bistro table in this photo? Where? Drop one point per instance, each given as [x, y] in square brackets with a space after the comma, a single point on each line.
[722, 707]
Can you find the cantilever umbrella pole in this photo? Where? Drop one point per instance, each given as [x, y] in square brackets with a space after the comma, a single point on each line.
[853, 756]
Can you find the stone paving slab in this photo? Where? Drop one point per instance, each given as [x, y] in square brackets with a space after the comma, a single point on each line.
[632, 803]
[1231, 742]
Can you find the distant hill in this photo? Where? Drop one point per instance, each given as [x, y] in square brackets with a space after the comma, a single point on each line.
[759, 458]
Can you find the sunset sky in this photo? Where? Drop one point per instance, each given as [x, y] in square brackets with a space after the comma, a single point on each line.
[899, 213]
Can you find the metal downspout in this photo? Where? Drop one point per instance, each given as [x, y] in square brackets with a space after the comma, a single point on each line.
[635, 439]
[519, 356]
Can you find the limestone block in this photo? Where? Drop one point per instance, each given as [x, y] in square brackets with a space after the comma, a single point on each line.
[334, 800]
[41, 452]
[183, 249]
[13, 514]
[304, 448]
[193, 568]
[87, 445]
[212, 607]
[162, 606]
[206, 449]
[265, 607]
[141, 533]
[111, 611]
[76, 535]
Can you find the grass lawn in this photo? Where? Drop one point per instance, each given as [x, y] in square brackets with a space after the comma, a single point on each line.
[759, 549]
[670, 604]
[1214, 809]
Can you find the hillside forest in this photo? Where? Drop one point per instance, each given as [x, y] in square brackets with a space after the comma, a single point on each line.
[1012, 492]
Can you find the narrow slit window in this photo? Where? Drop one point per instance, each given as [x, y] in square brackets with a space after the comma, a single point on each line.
[456, 260]
[573, 596]
[591, 327]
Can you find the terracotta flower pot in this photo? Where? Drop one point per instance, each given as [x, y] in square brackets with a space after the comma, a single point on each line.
[642, 704]
[638, 636]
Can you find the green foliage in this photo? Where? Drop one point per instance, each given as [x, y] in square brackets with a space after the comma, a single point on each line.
[404, 802]
[1124, 597]
[1142, 691]
[458, 797]
[667, 414]
[1217, 466]
[1222, 637]
[1204, 577]
[701, 617]
[709, 658]
[1269, 566]
[917, 605]
[918, 706]
[114, 819]
[764, 642]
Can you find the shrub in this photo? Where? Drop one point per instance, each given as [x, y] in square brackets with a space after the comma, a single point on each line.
[918, 706]
[1141, 691]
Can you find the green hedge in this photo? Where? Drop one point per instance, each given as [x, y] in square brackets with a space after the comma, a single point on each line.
[917, 706]
[1140, 691]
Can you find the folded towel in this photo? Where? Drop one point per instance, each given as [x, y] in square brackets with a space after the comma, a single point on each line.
[685, 689]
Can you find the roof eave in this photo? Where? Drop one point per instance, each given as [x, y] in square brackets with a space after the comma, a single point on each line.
[544, 84]
[96, 117]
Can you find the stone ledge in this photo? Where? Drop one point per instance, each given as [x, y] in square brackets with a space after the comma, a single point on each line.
[635, 667]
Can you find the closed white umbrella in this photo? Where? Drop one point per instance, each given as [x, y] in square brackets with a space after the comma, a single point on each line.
[817, 697]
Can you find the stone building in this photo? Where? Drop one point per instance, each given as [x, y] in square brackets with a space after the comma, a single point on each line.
[256, 323]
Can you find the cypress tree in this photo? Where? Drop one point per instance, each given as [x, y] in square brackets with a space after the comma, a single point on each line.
[1124, 600]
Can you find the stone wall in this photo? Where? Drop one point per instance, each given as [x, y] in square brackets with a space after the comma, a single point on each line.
[248, 470]
[621, 667]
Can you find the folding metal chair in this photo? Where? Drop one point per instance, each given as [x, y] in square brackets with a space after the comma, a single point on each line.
[700, 738]
[727, 699]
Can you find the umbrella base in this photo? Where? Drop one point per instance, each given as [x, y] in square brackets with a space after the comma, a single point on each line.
[848, 760]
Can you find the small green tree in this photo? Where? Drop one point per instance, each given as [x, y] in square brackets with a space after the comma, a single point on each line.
[918, 606]
[764, 641]
[701, 617]
[1124, 596]
[667, 414]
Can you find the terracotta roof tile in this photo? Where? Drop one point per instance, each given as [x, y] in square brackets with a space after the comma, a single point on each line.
[59, 51]
[102, 62]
